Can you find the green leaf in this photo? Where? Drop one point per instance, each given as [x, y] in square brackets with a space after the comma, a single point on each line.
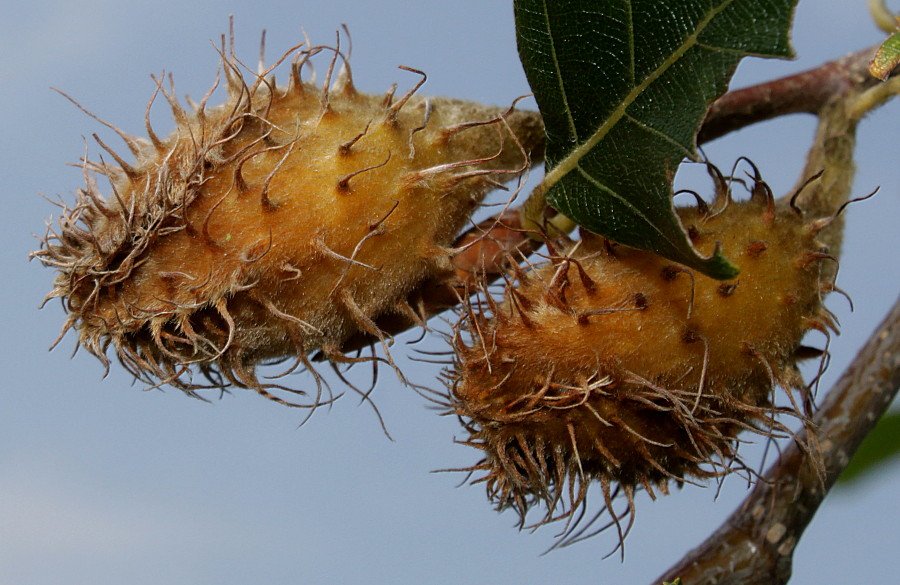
[623, 86]
[879, 447]
[887, 57]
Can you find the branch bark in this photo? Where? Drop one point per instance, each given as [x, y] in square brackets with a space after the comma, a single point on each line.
[806, 92]
[756, 544]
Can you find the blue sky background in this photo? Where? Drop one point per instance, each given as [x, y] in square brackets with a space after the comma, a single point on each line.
[102, 482]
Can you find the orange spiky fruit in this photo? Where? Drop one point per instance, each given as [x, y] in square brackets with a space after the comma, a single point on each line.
[282, 222]
[613, 365]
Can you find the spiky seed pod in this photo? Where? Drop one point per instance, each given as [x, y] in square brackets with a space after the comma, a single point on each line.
[281, 222]
[613, 365]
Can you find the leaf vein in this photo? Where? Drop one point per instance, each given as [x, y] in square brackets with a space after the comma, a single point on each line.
[739, 52]
[571, 161]
[659, 134]
[625, 202]
[631, 59]
[558, 69]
